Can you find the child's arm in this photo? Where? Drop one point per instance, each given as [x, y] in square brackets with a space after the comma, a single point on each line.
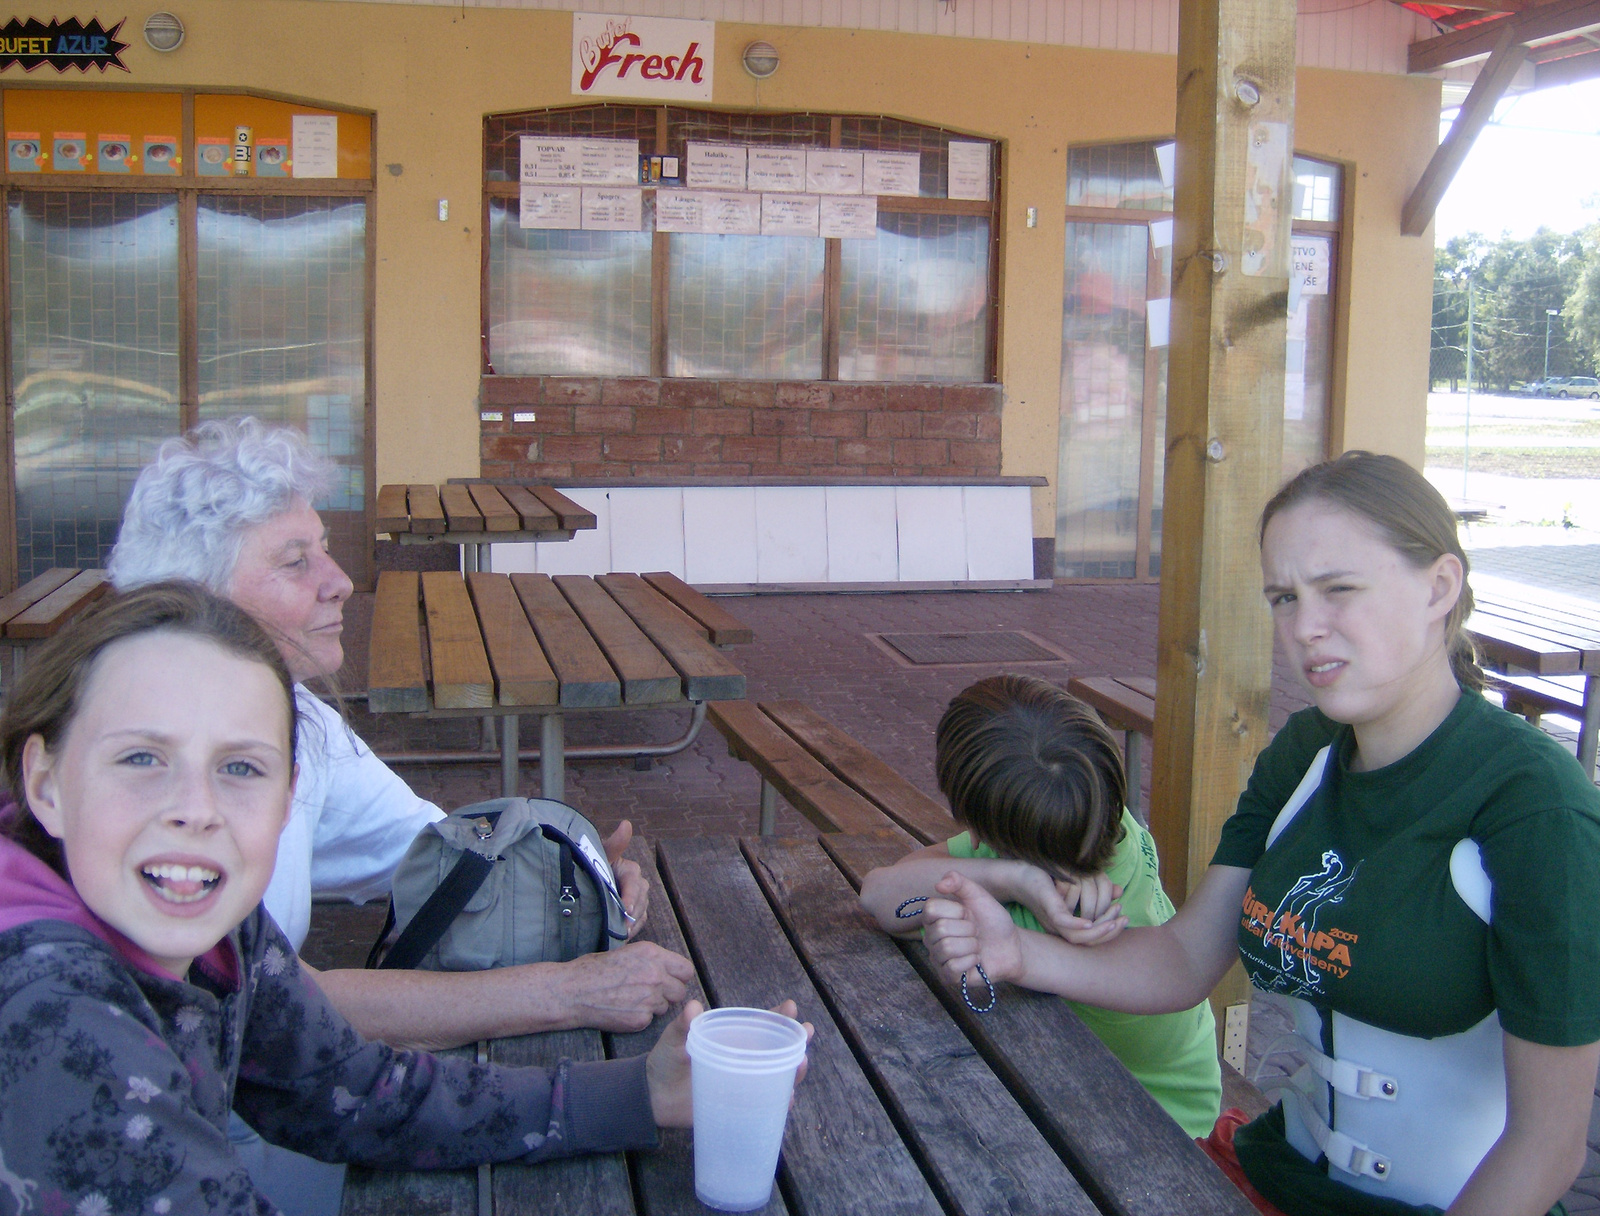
[1056, 904]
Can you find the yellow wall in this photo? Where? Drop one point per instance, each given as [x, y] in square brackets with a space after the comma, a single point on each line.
[430, 74]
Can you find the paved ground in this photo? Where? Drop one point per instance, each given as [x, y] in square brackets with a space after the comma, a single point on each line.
[818, 648]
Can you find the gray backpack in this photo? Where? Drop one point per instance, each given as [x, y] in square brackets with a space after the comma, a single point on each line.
[497, 883]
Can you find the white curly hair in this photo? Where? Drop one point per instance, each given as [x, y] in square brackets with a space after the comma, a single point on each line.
[192, 505]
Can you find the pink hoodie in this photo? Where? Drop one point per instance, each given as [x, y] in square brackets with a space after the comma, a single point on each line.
[31, 890]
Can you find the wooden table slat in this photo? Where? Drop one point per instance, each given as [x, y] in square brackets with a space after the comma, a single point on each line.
[925, 818]
[1503, 645]
[1114, 700]
[34, 590]
[498, 514]
[522, 675]
[461, 675]
[460, 511]
[587, 680]
[427, 511]
[46, 616]
[1557, 634]
[417, 1193]
[1144, 685]
[796, 774]
[723, 627]
[568, 512]
[392, 513]
[536, 517]
[842, 1154]
[708, 674]
[1131, 1158]
[977, 1143]
[647, 677]
[395, 677]
[1576, 616]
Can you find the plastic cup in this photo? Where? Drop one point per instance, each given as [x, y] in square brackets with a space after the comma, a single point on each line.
[744, 1061]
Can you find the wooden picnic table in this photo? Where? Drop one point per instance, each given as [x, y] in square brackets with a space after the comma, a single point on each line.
[477, 515]
[1542, 633]
[41, 606]
[448, 644]
[912, 1104]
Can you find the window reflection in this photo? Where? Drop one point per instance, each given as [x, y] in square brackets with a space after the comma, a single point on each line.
[745, 307]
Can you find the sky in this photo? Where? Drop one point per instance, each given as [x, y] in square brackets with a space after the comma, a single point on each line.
[1536, 164]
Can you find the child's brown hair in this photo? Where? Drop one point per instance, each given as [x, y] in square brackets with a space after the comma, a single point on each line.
[1033, 773]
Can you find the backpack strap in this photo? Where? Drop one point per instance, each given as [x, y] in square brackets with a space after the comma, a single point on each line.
[437, 913]
[571, 858]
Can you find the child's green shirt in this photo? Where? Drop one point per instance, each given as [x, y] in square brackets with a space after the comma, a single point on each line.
[1173, 1055]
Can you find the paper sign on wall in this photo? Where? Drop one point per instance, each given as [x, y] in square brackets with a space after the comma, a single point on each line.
[680, 211]
[891, 173]
[314, 144]
[1160, 234]
[715, 167]
[588, 162]
[624, 56]
[728, 214]
[550, 207]
[781, 170]
[1158, 322]
[613, 210]
[789, 214]
[969, 170]
[1310, 263]
[848, 216]
[830, 172]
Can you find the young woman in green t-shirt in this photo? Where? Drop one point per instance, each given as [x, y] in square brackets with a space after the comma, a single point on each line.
[1414, 871]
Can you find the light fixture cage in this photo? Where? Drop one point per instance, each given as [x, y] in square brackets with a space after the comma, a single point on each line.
[163, 31]
[760, 59]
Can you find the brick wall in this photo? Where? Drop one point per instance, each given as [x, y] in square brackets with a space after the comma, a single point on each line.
[640, 428]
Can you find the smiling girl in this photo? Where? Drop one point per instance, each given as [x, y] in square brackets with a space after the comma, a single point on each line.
[1414, 872]
[143, 990]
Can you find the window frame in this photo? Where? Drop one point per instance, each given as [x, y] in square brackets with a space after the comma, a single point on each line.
[188, 186]
[494, 188]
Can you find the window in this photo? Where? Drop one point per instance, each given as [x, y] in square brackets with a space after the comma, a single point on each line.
[153, 286]
[1117, 282]
[913, 302]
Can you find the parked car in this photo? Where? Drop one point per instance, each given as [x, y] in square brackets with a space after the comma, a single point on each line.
[1577, 386]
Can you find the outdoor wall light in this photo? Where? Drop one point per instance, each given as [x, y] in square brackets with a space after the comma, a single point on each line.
[163, 32]
[761, 59]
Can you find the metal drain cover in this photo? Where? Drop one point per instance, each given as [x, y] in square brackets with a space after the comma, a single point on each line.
[953, 649]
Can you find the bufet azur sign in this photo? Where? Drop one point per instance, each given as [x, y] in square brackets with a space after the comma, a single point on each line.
[616, 56]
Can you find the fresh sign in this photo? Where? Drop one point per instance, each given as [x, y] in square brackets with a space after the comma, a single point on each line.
[616, 56]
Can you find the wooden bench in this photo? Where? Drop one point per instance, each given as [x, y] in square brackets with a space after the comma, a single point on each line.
[1128, 704]
[40, 607]
[1532, 697]
[478, 513]
[827, 776]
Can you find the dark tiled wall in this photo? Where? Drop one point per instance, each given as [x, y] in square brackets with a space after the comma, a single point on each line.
[598, 428]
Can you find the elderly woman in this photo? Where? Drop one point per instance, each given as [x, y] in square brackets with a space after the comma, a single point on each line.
[230, 506]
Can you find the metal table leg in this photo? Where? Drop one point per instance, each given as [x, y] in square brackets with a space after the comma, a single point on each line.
[769, 808]
[1589, 732]
[508, 756]
[1131, 741]
[552, 760]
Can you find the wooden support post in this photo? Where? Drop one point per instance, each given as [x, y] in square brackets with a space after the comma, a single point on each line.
[1224, 442]
[1475, 113]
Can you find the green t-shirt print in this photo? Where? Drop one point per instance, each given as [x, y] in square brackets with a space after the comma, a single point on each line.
[1173, 1055]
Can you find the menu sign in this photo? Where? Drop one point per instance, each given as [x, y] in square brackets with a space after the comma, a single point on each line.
[849, 216]
[586, 162]
[728, 214]
[613, 210]
[715, 167]
[550, 207]
[891, 173]
[680, 211]
[789, 214]
[776, 169]
[833, 172]
[969, 170]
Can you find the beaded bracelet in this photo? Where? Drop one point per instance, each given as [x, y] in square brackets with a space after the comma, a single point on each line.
[994, 997]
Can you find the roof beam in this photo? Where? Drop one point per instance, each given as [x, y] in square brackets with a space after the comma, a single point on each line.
[1475, 113]
[1557, 19]
[1566, 71]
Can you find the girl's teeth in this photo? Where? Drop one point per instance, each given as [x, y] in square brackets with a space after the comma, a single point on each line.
[182, 884]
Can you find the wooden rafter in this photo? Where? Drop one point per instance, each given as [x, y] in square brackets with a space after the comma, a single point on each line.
[1567, 70]
[1556, 19]
[1504, 60]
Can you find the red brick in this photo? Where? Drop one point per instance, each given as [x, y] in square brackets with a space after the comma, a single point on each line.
[894, 426]
[507, 447]
[705, 448]
[784, 422]
[510, 390]
[869, 451]
[989, 426]
[609, 419]
[602, 470]
[571, 447]
[878, 470]
[924, 452]
[984, 455]
[921, 398]
[846, 425]
[721, 422]
[848, 470]
[630, 390]
[498, 468]
[857, 397]
[750, 449]
[572, 390]
[722, 470]
[694, 394]
[949, 426]
[973, 398]
[668, 470]
[805, 395]
[542, 469]
[631, 447]
[547, 420]
[800, 449]
[660, 420]
[770, 470]
[761, 394]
